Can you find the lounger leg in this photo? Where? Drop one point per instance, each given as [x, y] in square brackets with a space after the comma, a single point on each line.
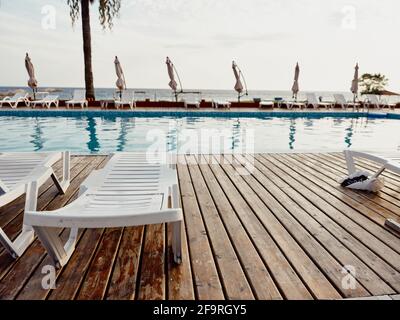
[51, 241]
[17, 247]
[177, 241]
[176, 228]
[64, 184]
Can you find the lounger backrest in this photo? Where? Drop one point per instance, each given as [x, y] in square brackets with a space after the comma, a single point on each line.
[51, 97]
[339, 98]
[373, 98]
[19, 95]
[128, 96]
[79, 95]
[312, 98]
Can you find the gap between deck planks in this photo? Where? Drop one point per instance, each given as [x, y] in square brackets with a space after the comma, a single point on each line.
[282, 230]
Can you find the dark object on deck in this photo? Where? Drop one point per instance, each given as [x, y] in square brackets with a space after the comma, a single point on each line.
[350, 181]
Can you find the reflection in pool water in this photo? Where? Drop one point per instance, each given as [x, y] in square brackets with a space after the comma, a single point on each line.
[86, 134]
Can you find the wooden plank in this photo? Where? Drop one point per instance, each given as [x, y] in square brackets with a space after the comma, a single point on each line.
[206, 279]
[124, 278]
[180, 280]
[350, 234]
[72, 275]
[227, 262]
[306, 268]
[261, 281]
[295, 218]
[152, 271]
[359, 210]
[281, 270]
[95, 284]
[33, 289]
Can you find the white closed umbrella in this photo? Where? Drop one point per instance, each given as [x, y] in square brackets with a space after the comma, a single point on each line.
[171, 73]
[238, 85]
[121, 84]
[354, 83]
[295, 87]
[238, 77]
[32, 82]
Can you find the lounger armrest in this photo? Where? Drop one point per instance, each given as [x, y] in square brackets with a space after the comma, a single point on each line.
[40, 174]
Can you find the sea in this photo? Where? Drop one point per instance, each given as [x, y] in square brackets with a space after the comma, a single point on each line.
[190, 94]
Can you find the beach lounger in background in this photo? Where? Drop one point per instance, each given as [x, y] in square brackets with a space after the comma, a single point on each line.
[386, 163]
[373, 101]
[47, 101]
[132, 190]
[266, 104]
[195, 103]
[79, 98]
[17, 170]
[341, 101]
[293, 104]
[15, 100]
[221, 103]
[127, 99]
[313, 101]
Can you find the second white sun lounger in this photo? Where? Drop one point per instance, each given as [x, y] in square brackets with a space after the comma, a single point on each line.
[341, 101]
[131, 190]
[16, 171]
[47, 101]
[313, 101]
[373, 101]
[79, 98]
[15, 100]
[386, 163]
[127, 98]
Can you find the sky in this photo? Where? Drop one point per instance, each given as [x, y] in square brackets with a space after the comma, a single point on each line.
[265, 37]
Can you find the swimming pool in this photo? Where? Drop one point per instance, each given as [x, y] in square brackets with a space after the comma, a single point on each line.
[97, 132]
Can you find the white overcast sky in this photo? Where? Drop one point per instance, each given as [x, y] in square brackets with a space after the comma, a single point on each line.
[202, 37]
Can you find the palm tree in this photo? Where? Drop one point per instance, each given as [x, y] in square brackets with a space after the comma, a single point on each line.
[108, 9]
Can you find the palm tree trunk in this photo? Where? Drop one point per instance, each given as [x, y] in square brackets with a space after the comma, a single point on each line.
[87, 49]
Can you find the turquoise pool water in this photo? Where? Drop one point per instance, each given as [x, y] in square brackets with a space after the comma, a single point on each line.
[185, 132]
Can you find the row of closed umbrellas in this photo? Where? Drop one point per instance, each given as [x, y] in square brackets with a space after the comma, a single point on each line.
[240, 85]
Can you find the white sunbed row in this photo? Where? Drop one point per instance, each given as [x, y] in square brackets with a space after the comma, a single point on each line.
[371, 101]
[133, 189]
[47, 101]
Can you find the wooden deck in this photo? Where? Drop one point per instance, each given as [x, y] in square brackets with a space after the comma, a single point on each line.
[284, 231]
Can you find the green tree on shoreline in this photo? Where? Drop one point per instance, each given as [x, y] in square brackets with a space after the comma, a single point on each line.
[108, 9]
[373, 83]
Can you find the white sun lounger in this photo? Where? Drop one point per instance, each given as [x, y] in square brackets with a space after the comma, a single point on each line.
[341, 101]
[16, 171]
[313, 101]
[194, 102]
[223, 103]
[127, 98]
[79, 98]
[386, 163]
[373, 101]
[15, 100]
[266, 104]
[131, 190]
[47, 101]
[292, 104]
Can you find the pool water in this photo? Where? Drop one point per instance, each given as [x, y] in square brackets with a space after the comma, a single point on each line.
[96, 133]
